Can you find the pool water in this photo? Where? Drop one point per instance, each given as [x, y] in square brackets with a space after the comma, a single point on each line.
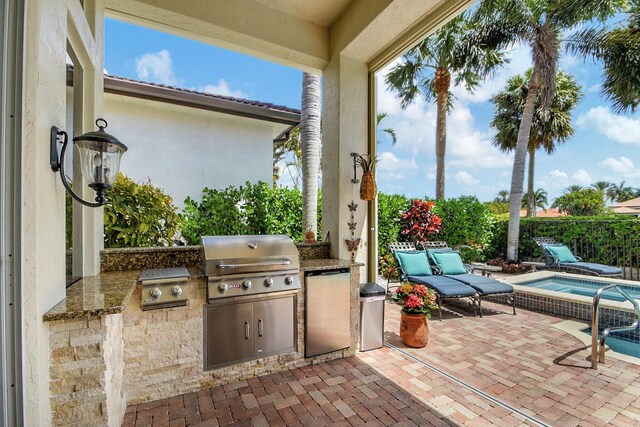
[580, 287]
[620, 344]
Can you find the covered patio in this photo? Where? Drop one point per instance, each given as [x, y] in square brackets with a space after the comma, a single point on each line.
[501, 370]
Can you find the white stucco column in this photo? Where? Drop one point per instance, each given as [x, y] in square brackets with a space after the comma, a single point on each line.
[344, 130]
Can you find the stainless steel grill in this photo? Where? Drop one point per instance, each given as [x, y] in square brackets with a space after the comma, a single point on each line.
[252, 284]
[249, 265]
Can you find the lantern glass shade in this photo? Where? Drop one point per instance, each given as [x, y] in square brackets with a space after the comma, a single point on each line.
[100, 161]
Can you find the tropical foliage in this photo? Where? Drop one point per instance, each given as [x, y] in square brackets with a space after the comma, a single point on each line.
[538, 24]
[585, 202]
[249, 209]
[539, 200]
[419, 222]
[549, 127]
[139, 215]
[428, 70]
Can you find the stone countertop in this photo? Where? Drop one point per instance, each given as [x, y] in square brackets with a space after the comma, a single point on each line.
[95, 296]
[327, 264]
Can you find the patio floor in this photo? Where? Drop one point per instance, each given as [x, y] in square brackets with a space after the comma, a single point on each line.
[498, 370]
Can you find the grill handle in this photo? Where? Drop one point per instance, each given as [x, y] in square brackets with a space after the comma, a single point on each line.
[256, 264]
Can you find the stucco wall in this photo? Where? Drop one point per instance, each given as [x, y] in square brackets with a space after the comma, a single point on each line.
[185, 149]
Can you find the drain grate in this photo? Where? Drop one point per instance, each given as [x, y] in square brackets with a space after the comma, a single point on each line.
[475, 390]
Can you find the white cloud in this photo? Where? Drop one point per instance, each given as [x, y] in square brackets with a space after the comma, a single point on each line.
[621, 129]
[465, 178]
[156, 67]
[222, 88]
[392, 168]
[557, 178]
[622, 167]
[415, 128]
[581, 177]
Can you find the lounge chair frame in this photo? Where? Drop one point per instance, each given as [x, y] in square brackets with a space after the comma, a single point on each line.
[403, 278]
[552, 263]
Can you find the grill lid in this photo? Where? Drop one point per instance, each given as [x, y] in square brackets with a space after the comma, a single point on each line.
[227, 255]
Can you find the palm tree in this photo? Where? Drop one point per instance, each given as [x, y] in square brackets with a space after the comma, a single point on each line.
[429, 68]
[602, 187]
[503, 196]
[550, 126]
[621, 193]
[573, 189]
[310, 142]
[539, 24]
[618, 49]
[540, 200]
[389, 131]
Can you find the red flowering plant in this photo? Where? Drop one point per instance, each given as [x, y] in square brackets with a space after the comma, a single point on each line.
[418, 222]
[415, 299]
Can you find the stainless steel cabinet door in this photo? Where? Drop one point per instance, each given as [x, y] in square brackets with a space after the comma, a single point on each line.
[229, 330]
[328, 311]
[274, 325]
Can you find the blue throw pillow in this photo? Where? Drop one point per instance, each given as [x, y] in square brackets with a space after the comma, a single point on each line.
[449, 263]
[561, 253]
[432, 251]
[414, 263]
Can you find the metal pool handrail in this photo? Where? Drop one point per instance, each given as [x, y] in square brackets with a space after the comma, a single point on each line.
[595, 354]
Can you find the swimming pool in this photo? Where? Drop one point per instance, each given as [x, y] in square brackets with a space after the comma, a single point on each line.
[581, 287]
[624, 343]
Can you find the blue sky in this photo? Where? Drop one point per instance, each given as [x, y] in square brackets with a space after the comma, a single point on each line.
[605, 145]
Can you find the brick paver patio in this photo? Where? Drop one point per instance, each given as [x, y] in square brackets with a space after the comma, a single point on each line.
[522, 361]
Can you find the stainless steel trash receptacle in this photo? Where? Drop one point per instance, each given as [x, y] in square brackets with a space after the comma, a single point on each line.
[371, 316]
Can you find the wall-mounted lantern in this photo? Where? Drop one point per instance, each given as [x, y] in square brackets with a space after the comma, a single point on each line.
[100, 155]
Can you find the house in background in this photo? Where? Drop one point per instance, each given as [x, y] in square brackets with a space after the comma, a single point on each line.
[630, 207]
[184, 140]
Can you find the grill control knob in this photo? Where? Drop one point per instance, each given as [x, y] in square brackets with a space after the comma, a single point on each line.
[288, 280]
[155, 293]
[268, 282]
[247, 284]
[223, 287]
[176, 290]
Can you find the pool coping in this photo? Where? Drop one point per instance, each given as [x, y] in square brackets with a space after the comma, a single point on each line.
[575, 327]
[540, 275]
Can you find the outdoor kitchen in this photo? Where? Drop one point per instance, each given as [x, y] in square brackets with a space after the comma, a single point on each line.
[160, 322]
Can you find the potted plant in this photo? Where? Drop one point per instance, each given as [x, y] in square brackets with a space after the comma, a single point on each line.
[417, 301]
[368, 187]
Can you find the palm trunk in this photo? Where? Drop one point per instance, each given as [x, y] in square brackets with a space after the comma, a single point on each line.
[517, 176]
[310, 143]
[531, 197]
[442, 82]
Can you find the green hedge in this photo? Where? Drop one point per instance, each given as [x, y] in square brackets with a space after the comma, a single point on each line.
[249, 209]
[390, 208]
[610, 239]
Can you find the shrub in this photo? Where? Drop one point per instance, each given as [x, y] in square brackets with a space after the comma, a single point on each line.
[586, 202]
[139, 215]
[419, 221]
[466, 224]
[249, 209]
[390, 208]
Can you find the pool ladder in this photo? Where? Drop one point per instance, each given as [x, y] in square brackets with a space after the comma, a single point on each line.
[598, 346]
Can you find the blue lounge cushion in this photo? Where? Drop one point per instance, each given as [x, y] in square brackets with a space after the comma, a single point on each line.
[484, 285]
[598, 268]
[561, 253]
[449, 263]
[414, 263]
[444, 286]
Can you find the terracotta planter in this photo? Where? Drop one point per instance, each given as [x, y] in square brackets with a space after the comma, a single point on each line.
[414, 329]
[368, 187]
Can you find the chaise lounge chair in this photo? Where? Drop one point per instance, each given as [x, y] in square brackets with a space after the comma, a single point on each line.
[449, 264]
[559, 257]
[413, 266]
